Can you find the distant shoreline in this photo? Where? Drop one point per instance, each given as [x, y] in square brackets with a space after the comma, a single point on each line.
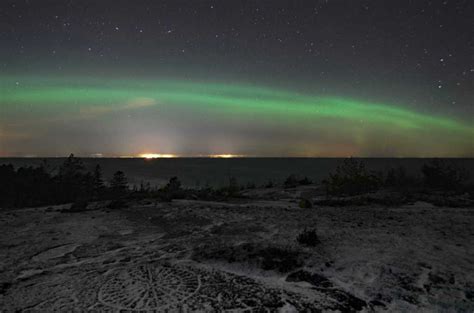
[201, 171]
[240, 157]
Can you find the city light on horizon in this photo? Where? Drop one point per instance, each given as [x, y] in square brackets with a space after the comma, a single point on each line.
[156, 155]
[169, 155]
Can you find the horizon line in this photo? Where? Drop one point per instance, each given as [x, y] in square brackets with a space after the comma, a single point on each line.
[229, 157]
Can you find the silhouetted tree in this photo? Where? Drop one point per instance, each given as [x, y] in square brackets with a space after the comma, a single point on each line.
[173, 185]
[119, 184]
[71, 167]
[33, 187]
[441, 174]
[173, 189]
[73, 183]
[98, 185]
[8, 183]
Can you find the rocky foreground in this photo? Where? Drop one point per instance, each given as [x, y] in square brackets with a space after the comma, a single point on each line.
[237, 256]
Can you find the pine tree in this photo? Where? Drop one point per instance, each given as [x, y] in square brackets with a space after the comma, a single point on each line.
[71, 179]
[98, 185]
[119, 183]
[71, 167]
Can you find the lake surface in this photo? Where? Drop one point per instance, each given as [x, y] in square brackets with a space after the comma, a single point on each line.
[215, 171]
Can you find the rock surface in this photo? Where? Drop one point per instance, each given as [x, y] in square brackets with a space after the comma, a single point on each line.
[190, 255]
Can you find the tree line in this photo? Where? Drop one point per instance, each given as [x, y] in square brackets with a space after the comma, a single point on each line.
[35, 186]
[71, 182]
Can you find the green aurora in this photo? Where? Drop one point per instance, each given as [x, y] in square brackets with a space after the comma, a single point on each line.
[92, 98]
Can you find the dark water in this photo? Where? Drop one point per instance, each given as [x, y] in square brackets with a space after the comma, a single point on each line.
[213, 171]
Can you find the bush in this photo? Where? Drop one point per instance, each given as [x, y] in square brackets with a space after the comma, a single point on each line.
[308, 237]
[173, 190]
[294, 181]
[270, 258]
[351, 178]
[439, 174]
[269, 184]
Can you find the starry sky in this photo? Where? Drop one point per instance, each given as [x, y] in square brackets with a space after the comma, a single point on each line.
[323, 78]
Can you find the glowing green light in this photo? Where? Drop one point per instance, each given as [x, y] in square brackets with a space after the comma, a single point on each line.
[233, 101]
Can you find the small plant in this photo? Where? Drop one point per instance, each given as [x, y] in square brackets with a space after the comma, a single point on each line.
[305, 203]
[308, 237]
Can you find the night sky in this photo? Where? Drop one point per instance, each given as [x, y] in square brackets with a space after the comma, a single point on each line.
[390, 78]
